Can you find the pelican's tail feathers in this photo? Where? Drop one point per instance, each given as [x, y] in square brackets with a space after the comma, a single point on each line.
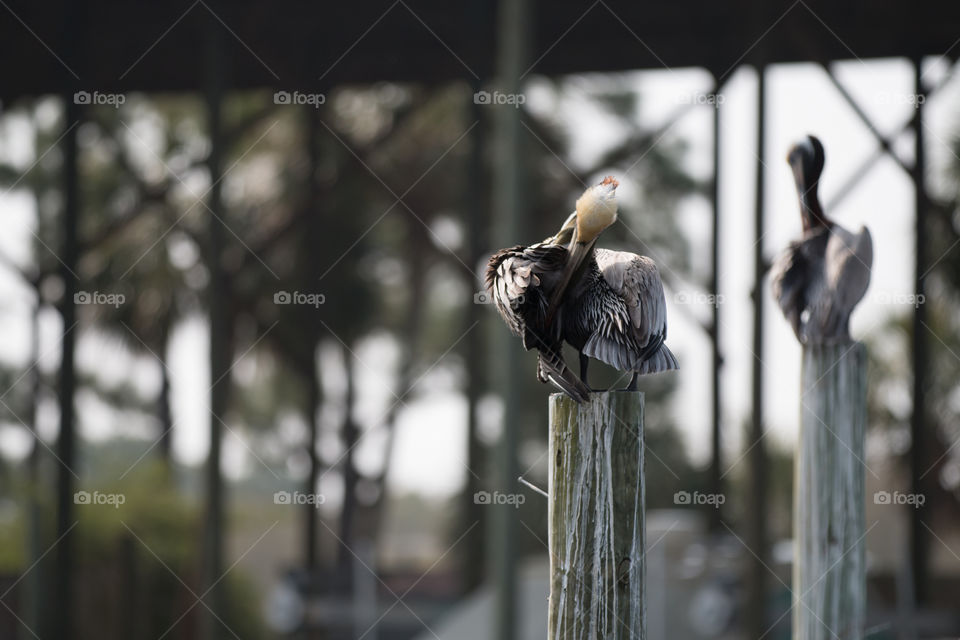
[662, 360]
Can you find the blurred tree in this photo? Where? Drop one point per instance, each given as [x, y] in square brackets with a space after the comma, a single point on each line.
[360, 201]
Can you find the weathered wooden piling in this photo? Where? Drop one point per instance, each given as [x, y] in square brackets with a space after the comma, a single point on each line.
[596, 518]
[829, 571]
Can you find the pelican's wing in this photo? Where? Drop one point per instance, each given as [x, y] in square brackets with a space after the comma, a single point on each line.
[789, 282]
[519, 282]
[631, 314]
[849, 260]
[514, 282]
[799, 285]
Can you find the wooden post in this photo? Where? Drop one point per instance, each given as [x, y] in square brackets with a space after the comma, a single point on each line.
[829, 571]
[596, 518]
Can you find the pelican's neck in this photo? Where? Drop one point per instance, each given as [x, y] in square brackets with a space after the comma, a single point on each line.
[808, 184]
[811, 211]
[588, 250]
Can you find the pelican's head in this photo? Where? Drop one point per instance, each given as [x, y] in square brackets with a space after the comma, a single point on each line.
[596, 210]
[806, 160]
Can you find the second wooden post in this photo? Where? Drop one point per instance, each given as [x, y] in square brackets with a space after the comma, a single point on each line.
[596, 518]
[829, 571]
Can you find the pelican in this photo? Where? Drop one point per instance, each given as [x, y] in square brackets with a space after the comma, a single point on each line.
[821, 277]
[609, 305]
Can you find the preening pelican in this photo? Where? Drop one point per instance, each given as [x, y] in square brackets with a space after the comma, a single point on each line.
[608, 305]
[820, 278]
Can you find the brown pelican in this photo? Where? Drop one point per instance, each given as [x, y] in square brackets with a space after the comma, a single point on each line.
[820, 278]
[608, 305]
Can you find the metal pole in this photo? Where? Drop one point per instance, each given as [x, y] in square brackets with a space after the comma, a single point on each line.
[918, 451]
[716, 480]
[66, 440]
[219, 319]
[315, 392]
[474, 546]
[514, 36]
[758, 463]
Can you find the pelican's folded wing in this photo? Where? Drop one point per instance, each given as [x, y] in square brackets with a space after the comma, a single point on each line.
[632, 322]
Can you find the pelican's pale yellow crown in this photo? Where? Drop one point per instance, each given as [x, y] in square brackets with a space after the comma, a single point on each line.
[596, 210]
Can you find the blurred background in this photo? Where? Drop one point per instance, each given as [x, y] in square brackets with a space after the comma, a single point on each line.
[251, 386]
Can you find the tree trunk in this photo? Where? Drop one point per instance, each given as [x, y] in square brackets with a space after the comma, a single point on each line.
[350, 475]
[164, 409]
[309, 511]
[829, 572]
[597, 534]
[411, 338]
[33, 580]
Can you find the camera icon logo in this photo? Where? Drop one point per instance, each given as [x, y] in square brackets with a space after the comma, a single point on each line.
[281, 497]
[482, 297]
[482, 97]
[681, 497]
[282, 297]
[82, 297]
[282, 97]
[81, 497]
[81, 97]
[482, 497]
[882, 497]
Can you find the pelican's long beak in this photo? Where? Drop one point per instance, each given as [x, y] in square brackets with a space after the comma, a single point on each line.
[596, 210]
[576, 258]
[566, 231]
